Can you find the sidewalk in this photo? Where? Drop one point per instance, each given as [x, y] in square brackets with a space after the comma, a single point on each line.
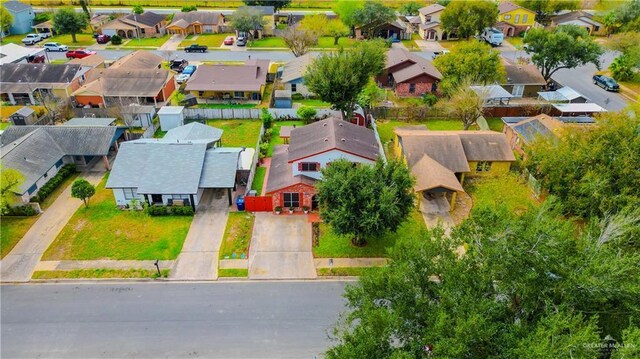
[19, 264]
[349, 262]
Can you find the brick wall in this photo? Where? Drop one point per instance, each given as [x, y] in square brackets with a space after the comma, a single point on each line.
[402, 89]
[306, 192]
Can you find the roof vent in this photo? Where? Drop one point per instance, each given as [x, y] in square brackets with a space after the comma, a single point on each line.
[343, 140]
[326, 139]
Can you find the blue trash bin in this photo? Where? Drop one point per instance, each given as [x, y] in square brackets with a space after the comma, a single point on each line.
[240, 203]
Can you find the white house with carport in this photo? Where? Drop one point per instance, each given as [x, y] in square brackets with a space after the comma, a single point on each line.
[175, 170]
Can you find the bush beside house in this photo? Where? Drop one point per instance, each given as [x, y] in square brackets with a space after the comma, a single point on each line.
[64, 173]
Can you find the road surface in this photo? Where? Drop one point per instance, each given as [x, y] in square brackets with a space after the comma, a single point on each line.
[214, 55]
[169, 320]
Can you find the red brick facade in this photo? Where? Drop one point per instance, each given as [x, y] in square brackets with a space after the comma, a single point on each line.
[306, 194]
[403, 89]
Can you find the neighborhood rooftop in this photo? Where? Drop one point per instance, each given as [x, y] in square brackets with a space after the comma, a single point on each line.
[21, 77]
[248, 77]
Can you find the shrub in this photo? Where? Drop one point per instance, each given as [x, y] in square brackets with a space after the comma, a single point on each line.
[264, 149]
[297, 97]
[116, 40]
[54, 182]
[429, 99]
[189, 8]
[157, 210]
[21, 211]
[307, 114]
[170, 211]
[267, 118]
[182, 211]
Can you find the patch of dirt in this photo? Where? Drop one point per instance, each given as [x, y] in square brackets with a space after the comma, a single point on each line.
[80, 225]
[462, 209]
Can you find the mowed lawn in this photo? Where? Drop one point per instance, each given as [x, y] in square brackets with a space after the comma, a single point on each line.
[268, 42]
[312, 102]
[102, 231]
[508, 190]
[210, 40]
[237, 235]
[147, 42]
[386, 127]
[238, 133]
[327, 42]
[333, 245]
[258, 179]
[275, 134]
[83, 40]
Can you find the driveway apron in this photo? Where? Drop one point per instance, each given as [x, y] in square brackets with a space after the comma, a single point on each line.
[199, 257]
[435, 211]
[281, 248]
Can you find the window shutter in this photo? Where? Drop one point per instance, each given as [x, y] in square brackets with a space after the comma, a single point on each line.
[317, 166]
[299, 166]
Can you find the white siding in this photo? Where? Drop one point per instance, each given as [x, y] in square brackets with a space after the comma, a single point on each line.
[118, 193]
[300, 88]
[323, 159]
[169, 121]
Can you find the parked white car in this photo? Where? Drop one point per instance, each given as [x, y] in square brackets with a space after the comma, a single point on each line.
[182, 78]
[44, 35]
[55, 46]
[31, 39]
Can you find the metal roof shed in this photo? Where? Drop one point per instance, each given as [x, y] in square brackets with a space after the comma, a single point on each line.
[495, 94]
[171, 117]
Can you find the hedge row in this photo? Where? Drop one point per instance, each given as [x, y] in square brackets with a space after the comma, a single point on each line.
[65, 172]
[170, 211]
[21, 211]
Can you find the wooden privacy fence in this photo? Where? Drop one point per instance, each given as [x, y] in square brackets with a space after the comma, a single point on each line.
[247, 113]
[258, 203]
[418, 113]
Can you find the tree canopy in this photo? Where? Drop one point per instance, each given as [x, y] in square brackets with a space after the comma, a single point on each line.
[564, 47]
[137, 9]
[68, 21]
[529, 286]
[625, 66]
[464, 104]
[6, 19]
[346, 11]
[372, 16]
[320, 25]
[82, 189]
[277, 4]
[593, 170]
[628, 16]
[472, 61]
[247, 20]
[364, 201]
[338, 77]
[10, 181]
[410, 8]
[299, 40]
[468, 18]
[545, 8]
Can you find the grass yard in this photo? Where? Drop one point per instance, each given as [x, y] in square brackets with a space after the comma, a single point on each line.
[258, 179]
[411, 44]
[13, 39]
[226, 105]
[233, 272]
[266, 97]
[517, 42]
[343, 272]
[4, 125]
[326, 42]
[336, 246]
[159, 133]
[56, 192]
[268, 42]
[312, 102]
[99, 273]
[83, 40]
[238, 133]
[13, 229]
[102, 231]
[506, 190]
[495, 124]
[275, 134]
[147, 42]
[385, 127]
[210, 40]
[237, 235]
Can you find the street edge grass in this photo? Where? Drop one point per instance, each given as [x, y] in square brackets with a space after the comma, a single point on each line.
[237, 235]
[233, 272]
[100, 274]
[344, 271]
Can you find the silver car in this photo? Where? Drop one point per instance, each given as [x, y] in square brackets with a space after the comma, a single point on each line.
[55, 46]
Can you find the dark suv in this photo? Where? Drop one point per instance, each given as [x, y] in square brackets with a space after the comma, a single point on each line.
[178, 64]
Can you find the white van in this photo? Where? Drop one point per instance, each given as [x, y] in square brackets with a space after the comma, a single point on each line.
[55, 46]
[492, 36]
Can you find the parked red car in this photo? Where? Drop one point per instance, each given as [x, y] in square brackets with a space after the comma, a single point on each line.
[228, 40]
[79, 54]
[103, 39]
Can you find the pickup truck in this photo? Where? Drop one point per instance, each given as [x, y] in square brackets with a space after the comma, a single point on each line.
[195, 48]
[606, 83]
[31, 39]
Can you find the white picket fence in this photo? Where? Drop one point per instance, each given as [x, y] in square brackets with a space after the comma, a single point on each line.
[248, 113]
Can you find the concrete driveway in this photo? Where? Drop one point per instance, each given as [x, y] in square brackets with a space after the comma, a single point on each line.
[281, 248]
[435, 211]
[199, 257]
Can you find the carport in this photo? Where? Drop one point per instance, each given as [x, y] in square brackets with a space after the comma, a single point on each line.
[220, 168]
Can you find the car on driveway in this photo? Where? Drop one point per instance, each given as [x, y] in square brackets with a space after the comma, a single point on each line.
[242, 41]
[55, 46]
[228, 40]
[606, 83]
[195, 48]
[31, 39]
[103, 39]
[79, 54]
[186, 74]
[178, 65]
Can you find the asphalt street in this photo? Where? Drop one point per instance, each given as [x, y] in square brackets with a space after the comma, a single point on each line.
[212, 55]
[169, 320]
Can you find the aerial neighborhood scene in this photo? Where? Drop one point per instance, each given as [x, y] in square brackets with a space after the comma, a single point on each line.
[320, 179]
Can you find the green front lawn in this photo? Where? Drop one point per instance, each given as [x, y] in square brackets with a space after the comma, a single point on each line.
[495, 124]
[312, 102]
[225, 105]
[83, 40]
[508, 190]
[233, 272]
[4, 125]
[13, 39]
[336, 246]
[237, 235]
[147, 42]
[268, 42]
[258, 179]
[13, 229]
[238, 133]
[326, 42]
[102, 231]
[210, 40]
[99, 273]
[343, 271]
[275, 134]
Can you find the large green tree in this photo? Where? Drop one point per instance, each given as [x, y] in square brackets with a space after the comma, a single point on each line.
[593, 170]
[248, 20]
[320, 25]
[473, 61]
[628, 14]
[545, 8]
[564, 47]
[68, 21]
[365, 201]
[626, 65]
[372, 16]
[6, 19]
[338, 77]
[410, 8]
[346, 11]
[10, 181]
[529, 286]
[277, 4]
[468, 18]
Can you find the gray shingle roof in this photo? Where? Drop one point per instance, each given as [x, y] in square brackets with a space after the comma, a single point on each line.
[16, 6]
[16, 75]
[203, 17]
[194, 132]
[297, 67]
[219, 169]
[89, 121]
[332, 134]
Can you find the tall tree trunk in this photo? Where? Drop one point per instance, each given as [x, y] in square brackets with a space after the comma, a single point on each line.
[86, 205]
[73, 37]
[335, 40]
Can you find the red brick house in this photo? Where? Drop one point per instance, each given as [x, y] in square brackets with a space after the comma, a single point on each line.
[295, 168]
[408, 74]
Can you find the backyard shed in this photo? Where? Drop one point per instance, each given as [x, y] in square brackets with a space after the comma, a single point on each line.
[24, 116]
[171, 117]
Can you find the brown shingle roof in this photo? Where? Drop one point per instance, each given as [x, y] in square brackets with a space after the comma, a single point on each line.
[431, 9]
[125, 82]
[138, 60]
[203, 17]
[248, 77]
[91, 60]
[280, 172]
[506, 6]
[147, 18]
[419, 65]
[525, 74]
[430, 175]
[331, 134]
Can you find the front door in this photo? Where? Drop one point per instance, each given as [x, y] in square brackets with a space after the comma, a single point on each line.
[314, 202]
[518, 90]
[156, 198]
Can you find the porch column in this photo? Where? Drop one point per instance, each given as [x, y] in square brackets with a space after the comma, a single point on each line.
[193, 204]
[31, 99]
[115, 145]
[11, 99]
[105, 160]
[229, 196]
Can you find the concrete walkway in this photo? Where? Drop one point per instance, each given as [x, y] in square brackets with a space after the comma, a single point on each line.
[349, 262]
[102, 264]
[19, 264]
[172, 44]
[436, 212]
[199, 257]
[281, 248]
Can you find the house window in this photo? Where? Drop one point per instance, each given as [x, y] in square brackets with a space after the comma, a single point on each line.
[525, 17]
[130, 193]
[291, 199]
[596, 28]
[238, 94]
[59, 163]
[32, 189]
[200, 93]
[517, 19]
[294, 88]
[308, 166]
[483, 166]
[412, 88]
[507, 17]
[179, 196]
